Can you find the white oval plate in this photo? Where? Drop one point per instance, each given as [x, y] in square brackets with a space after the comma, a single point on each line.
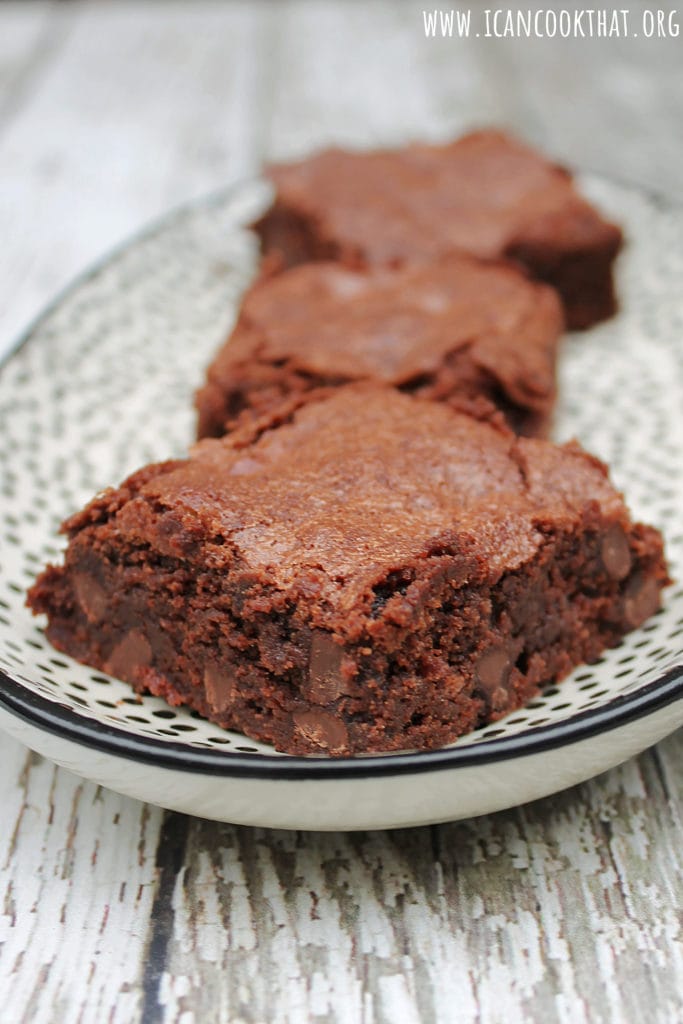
[103, 383]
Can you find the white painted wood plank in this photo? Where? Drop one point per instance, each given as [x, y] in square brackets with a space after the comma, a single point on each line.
[145, 107]
[78, 878]
[567, 910]
[609, 105]
[27, 36]
[364, 75]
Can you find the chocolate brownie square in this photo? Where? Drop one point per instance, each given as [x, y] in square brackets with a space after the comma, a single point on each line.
[381, 572]
[459, 329]
[486, 194]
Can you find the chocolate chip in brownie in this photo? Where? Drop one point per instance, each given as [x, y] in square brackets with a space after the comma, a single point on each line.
[91, 596]
[641, 599]
[615, 552]
[131, 653]
[322, 728]
[492, 673]
[325, 682]
[493, 667]
[219, 684]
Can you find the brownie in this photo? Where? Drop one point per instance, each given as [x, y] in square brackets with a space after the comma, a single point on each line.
[486, 194]
[379, 572]
[457, 329]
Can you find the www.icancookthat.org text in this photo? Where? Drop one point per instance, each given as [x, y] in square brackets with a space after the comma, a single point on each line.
[549, 23]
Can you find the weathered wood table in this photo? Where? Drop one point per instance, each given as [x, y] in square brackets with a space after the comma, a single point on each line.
[565, 910]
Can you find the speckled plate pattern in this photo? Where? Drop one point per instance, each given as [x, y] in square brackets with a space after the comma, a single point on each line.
[102, 383]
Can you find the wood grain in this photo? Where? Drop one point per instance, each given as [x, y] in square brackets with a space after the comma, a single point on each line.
[567, 910]
[137, 109]
[77, 878]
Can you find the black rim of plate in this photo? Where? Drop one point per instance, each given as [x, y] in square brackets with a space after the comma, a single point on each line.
[60, 720]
